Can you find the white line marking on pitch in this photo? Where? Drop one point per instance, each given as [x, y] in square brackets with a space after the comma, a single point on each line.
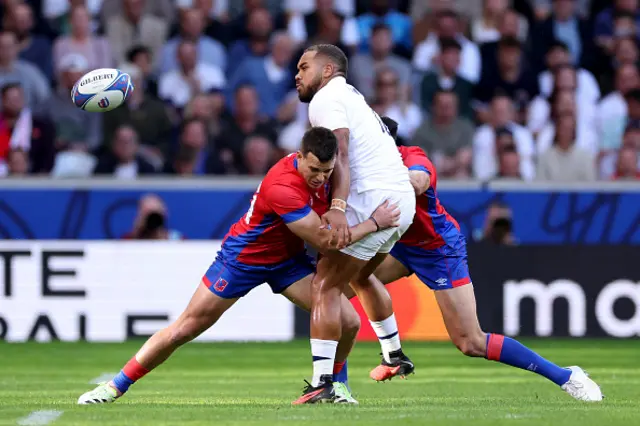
[36, 418]
[104, 377]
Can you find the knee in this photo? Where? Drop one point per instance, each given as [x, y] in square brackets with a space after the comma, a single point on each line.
[473, 345]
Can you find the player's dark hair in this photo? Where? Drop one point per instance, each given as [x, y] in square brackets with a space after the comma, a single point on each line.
[449, 43]
[321, 142]
[392, 125]
[6, 87]
[334, 54]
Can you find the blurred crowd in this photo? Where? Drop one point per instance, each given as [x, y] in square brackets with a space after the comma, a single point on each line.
[518, 89]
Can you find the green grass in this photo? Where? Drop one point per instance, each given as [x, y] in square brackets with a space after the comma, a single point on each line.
[253, 384]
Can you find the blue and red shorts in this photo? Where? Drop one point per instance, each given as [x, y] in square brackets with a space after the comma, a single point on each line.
[440, 269]
[230, 279]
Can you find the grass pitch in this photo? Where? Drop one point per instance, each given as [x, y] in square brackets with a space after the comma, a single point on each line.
[254, 384]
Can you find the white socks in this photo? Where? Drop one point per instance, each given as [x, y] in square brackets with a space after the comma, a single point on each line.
[387, 332]
[324, 353]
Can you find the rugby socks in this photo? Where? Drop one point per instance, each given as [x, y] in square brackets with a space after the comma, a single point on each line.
[340, 372]
[511, 352]
[387, 332]
[131, 373]
[324, 353]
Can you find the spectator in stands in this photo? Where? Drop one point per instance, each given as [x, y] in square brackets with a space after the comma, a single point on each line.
[508, 159]
[60, 14]
[34, 48]
[389, 101]
[564, 102]
[193, 149]
[259, 28]
[485, 146]
[446, 136]
[400, 24]
[609, 159]
[364, 66]
[244, 122]
[626, 52]
[73, 126]
[210, 51]
[512, 78]
[510, 26]
[135, 26]
[151, 221]
[80, 40]
[269, 75]
[448, 26]
[308, 26]
[122, 160]
[628, 165]
[193, 76]
[566, 29]
[566, 160]
[498, 225]
[604, 22]
[485, 28]
[240, 27]
[141, 57]
[17, 163]
[346, 8]
[445, 77]
[163, 9]
[612, 110]
[214, 18]
[13, 70]
[21, 129]
[205, 108]
[258, 156]
[558, 57]
[147, 115]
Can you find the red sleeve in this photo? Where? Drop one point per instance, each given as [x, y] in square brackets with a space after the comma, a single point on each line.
[414, 158]
[288, 202]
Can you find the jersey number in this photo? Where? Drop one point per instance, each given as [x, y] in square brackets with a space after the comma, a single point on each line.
[383, 126]
[247, 217]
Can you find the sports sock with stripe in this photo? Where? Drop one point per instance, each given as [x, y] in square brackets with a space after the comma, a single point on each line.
[387, 332]
[323, 353]
[340, 372]
[129, 374]
[511, 352]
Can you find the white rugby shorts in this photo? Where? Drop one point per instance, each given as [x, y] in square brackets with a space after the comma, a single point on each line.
[360, 207]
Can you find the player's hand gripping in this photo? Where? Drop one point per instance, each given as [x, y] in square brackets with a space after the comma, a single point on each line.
[386, 215]
[337, 221]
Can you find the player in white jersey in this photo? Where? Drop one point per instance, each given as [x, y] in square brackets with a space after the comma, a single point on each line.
[368, 170]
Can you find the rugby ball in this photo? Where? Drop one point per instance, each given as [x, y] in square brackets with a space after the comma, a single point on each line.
[102, 90]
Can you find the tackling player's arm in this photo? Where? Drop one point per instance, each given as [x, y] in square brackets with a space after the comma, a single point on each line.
[311, 229]
[419, 167]
[331, 113]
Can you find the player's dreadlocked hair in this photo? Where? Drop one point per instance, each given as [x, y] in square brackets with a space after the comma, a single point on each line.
[334, 54]
[321, 142]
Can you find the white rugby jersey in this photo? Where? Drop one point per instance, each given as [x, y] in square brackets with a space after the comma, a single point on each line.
[374, 159]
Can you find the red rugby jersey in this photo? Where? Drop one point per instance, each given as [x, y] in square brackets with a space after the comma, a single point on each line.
[261, 236]
[432, 226]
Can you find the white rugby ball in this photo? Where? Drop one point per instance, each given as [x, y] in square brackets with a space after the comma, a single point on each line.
[102, 90]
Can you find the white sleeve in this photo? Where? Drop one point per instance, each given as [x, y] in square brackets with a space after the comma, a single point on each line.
[350, 34]
[484, 161]
[297, 29]
[329, 112]
[471, 62]
[526, 151]
[423, 55]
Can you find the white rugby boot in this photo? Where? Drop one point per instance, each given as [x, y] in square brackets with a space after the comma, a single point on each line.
[581, 387]
[101, 395]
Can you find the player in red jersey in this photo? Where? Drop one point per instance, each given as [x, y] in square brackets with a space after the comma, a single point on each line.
[267, 245]
[434, 249]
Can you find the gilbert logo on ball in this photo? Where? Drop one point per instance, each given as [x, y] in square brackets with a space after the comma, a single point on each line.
[102, 90]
